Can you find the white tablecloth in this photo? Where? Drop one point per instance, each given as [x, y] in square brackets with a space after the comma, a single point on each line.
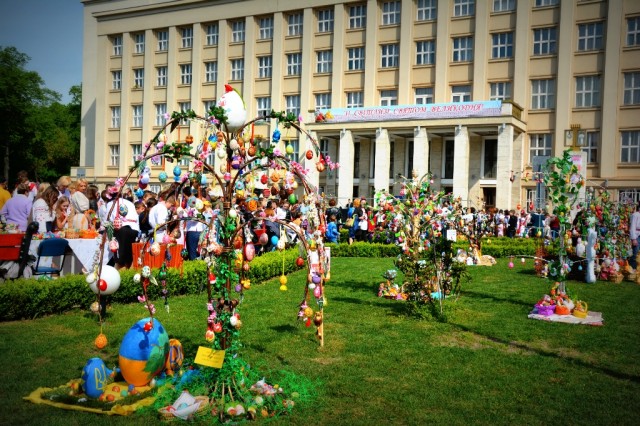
[83, 250]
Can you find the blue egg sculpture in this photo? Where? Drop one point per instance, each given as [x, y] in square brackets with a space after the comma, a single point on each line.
[162, 177]
[95, 377]
[177, 171]
[143, 352]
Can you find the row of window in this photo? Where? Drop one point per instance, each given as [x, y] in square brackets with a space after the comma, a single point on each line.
[590, 35]
[543, 91]
[539, 145]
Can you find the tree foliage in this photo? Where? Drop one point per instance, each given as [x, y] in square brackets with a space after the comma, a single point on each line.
[37, 132]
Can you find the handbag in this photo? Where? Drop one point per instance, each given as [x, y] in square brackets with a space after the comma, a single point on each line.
[349, 222]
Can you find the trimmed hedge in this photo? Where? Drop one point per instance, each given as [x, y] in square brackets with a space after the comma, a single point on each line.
[22, 298]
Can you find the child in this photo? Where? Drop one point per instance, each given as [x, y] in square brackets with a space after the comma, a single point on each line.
[332, 234]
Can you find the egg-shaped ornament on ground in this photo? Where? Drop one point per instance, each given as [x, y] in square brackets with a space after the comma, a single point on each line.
[108, 282]
[234, 108]
[143, 352]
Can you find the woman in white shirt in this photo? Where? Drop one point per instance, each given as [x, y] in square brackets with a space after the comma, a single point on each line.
[127, 233]
[43, 210]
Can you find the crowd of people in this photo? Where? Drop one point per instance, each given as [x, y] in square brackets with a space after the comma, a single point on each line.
[78, 205]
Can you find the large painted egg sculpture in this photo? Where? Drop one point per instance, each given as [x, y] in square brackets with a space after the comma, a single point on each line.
[143, 354]
[108, 283]
[95, 377]
[234, 108]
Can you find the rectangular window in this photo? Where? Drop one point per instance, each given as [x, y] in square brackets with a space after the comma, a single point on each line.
[590, 36]
[543, 94]
[630, 147]
[161, 76]
[161, 114]
[263, 106]
[449, 159]
[210, 72]
[211, 38]
[116, 45]
[264, 66]
[207, 106]
[323, 101]
[389, 55]
[114, 155]
[294, 63]
[502, 45]
[324, 147]
[116, 80]
[633, 31]
[325, 20]
[460, 93]
[136, 116]
[184, 107]
[138, 78]
[427, 10]
[295, 144]
[266, 28]
[463, 49]
[356, 58]
[185, 73]
[591, 147]
[631, 88]
[504, 5]
[237, 69]
[423, 95]
[294, 22]
[425, 52]
[500, 90]
[539, 145]
[388, 97]
[355, 100]
[629, 196]
[545, 41]
[588, 91]
[358, 16]
[292, 103]
[163, 40]
[324, 62]
[187, 37]
[391, 13]
[543, 3]
[237, 31]
[463, 7]
[138, 43]
[136, 153]
[115, 117]
[490, 160]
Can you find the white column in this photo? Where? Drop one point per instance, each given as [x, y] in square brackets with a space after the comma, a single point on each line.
[461, 165]
[382, 161]
[405, 96]
[345, 172]
[313, 176]
[371, 51]
[564, 77]
[420, 152]
[505, 165]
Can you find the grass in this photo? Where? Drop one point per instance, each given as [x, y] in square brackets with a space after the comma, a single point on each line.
[488, 364]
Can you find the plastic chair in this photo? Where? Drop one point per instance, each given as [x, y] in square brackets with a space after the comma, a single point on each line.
[53, 247]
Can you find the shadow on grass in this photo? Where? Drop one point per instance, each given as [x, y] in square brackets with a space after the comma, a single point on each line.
[477, 295]
[573, 360]
[366, 286]
[395, 306]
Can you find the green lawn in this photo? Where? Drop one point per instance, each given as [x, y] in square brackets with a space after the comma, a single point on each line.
[489, 364]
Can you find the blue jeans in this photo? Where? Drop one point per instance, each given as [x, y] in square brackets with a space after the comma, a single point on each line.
[192, 240]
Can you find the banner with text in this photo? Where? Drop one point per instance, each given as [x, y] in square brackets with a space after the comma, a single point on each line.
[411, 112]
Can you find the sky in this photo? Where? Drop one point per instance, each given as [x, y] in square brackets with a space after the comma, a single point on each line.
[50, 33]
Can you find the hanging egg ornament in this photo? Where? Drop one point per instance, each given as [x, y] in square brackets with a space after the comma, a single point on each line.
[227, 177]
[221, 153]
[299, 262]
[144, 179]
[249, 252]
[162, 176]
[281, 245]
[317, 292]
[189, 139]
[101, 341]
[177, 171]
[283, 280]
[320, 166]
[234, 145]
[522, 260]
[309, 154]
[510, 265]
[155, 249]
[252, 151]
[317, 319]
[108, 282]
[293, 199]
[263, 240]
[264, 179]
[234, 108]
[289, 149]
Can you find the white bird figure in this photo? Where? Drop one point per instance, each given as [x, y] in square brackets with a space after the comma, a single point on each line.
[234, 108]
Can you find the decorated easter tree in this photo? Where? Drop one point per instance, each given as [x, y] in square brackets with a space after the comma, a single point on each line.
[419, 222]
[234, 233]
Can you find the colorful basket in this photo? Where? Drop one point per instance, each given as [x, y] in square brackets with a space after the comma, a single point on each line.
[545, 310]
[581, 310]
[562, 310]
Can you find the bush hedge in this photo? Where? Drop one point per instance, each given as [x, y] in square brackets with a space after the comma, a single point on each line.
[31, 298]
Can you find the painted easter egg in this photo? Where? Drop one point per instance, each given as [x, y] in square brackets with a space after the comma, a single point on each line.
[95, 377]
[108, 282]
[234, 108]
[249, 252]
[162, 176]
[143, 352]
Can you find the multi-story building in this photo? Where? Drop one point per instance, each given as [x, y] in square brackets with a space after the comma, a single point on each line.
[477, 92]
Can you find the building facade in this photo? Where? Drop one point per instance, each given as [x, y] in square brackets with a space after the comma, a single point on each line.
[548, 74]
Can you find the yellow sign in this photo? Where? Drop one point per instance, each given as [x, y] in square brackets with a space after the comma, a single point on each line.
[209, 357]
